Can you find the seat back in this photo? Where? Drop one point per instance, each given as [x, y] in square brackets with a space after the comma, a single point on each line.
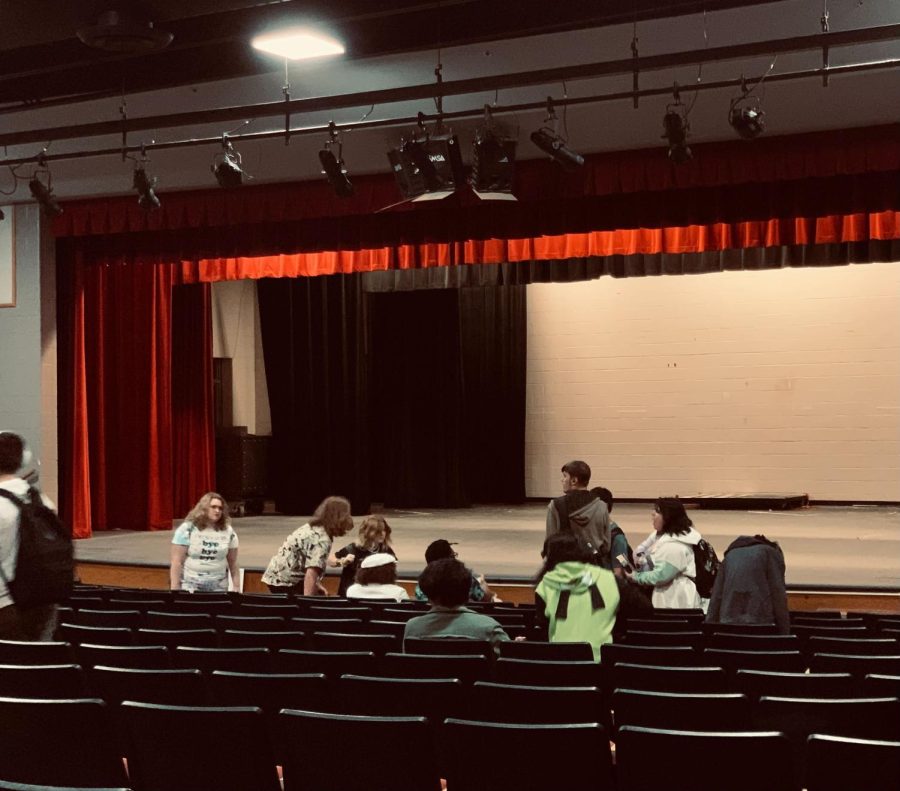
[858, 665]
[250, 623]
[541, 673]
[154, 619]
[127, 619]
[332, 663]
[447, 645]
[711, 627]
[15, 652]
[181, 687]
[881, 686]
[435, 699]
[699, 680]
[668, 656]
[835, 763]
[467, 668]
[757, 683]
[859, 646]
[271, 640]
[492, 702]
[141, 656]
[659, 625]
[270, 692]
[732, 661]
[96, 635]
[378, 644]
[552, 652]
[42, 681]
[171, 638]
[734, 641]
[669, 638]
[241, 660]
[680, 710]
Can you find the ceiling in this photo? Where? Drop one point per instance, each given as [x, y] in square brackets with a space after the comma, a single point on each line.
[50, 81]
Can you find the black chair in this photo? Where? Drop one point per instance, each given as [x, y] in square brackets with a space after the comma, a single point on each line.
[270, 692]
[857, 665]
[737, 761]
[834, 623]
[177, 620]
[395, 628]
[680, 711]
[201, 606]
[447, 645]
[796, 615]
[341, 625]
[378, 644]
[140, 656]
[692, 640]
[164, 763]
[882, 686]
[434, 699]
[659, 625]
[757, 683]
[240, 660]
[858, 646]
[401, 613]
[467, 668]
[834, 763]
[339, 611]
[697, 680]
[10, 786]
[250, 623]
[263, 598]
[171, 638]
[668, 656]
[332, 663]
[266, 611]
[491, 756]
[135, 604]
[271, 640]
[123, 619]
[752, 642]
[96, 635]
[552, 652]
[883, 622]
[91, 602]
[181, 687]
[805, 632]
[778, 661]
[42, 681]
[135, 594]
[711, 627]
[316, 752]
[58, 742]
[13, 652]
[541, 673]
[691, 614]
[491, 702]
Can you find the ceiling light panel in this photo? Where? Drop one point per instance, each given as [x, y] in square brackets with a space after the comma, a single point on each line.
[298, 44]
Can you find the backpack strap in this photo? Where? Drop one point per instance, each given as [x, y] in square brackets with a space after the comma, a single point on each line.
[6, 494]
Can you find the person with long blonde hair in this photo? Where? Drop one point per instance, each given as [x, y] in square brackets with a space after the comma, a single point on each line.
[205, 548]
[374, 537]
[301, 561]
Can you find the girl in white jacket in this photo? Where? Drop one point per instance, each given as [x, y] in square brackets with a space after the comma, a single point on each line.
[672, 555]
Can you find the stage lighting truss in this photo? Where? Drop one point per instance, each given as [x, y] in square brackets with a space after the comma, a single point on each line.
[493, 160]
[428, 165]
[676, 129]
[746, 116]
[227, 165]
[145, 184]
[551, 142]
[43, 192]
[333, 164]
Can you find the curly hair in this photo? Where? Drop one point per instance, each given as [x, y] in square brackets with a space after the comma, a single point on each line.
[333, 513]
[198, 517]
[371, 526]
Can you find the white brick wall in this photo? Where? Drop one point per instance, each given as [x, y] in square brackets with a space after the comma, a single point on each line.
[785, 381]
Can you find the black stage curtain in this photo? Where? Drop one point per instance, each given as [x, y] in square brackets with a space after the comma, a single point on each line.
[411, 399]
[313, 336]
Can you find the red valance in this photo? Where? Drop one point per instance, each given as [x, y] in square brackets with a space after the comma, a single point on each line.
[764, 161]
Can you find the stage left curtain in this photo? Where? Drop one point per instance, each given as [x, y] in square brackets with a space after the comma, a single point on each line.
[120, 415]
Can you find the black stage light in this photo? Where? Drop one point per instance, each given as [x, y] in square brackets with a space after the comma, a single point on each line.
[336, 173]
[493, 162]
[145, 186]
[746, 117]
[677, 128]
[428, 168]
[43, 194]
[551, 143]
[227, 166]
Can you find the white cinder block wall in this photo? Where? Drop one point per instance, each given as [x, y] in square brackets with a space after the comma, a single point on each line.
[773, 381]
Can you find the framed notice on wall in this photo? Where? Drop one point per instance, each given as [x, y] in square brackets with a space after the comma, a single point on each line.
[7, 259]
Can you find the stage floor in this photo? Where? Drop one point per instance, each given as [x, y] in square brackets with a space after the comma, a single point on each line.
[823, 545]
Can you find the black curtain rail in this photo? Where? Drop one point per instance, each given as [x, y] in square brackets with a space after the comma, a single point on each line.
[457, 115]
[459, 87]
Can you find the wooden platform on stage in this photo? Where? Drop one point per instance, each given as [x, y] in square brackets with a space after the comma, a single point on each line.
[830, 551]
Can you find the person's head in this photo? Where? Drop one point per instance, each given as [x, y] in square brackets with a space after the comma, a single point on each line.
[562, 548]
[446, 582]
[440, 550]
[211, 511]
[12, 450]
[374, 531]
[333, 513]
[575, 475]
[604, 494]
[377, 569]
[670, 517]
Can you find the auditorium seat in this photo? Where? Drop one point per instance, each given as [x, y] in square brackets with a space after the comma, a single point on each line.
[858, 665]
[395, 628]
[233, 638]
[837, 645]
[239, 755]
[680, 710]
[835, 763]
[134, 594]
[671, 656]
[96, 635]
[553, 652]
[698, 680]
[447, 645]
[711, 627]
[692, 640]
[139, 656]
[201, 606]
[692, 613]
[126, 619]
[154, 619]
[660, 625]
[250, 623]
[805, 632]
[345, 610]
[158, 604]
[59, 742]
[201, 638]
[280, 609]
[181, 687]
[492, 702]
[757, 683]
[778, 661]
[378, 644]
[491, 756]
[434, 699]
[262, 598]
[240, 660]
[467, 668]
[15, 652]
[703, 760]
[820, 614]
[881, 685]
[42, 681]
[91, 602]
[543, 673]
[401, 613]
[310, 625]
[752, 642]
[332, 663]
[829, 623]
[6, 785]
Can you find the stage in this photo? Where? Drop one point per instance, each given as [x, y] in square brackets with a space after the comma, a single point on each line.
[825, 547]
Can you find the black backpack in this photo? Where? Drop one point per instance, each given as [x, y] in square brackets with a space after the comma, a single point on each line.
[707, 564]
[45, 564]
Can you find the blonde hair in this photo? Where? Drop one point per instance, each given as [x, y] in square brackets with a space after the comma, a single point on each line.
[198, 517]
[371, 526]
[333, 513]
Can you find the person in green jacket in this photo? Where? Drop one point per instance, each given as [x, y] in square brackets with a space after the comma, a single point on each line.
[575, 599]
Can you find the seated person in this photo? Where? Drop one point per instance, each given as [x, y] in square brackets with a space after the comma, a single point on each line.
[447, 584]
[374, 536]
[575, 599]
[377, 579]
[442, 549]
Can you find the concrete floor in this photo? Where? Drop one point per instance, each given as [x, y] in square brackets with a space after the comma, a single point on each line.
[823, 545]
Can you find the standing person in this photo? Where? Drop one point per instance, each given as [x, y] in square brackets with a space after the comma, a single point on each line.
[301, 561]
[374, 537]
[17, 623]
[580, 512]
[749, 586]
[618, 542]
[377, 579]
[205, 548]
[443, 550]
[674, 570]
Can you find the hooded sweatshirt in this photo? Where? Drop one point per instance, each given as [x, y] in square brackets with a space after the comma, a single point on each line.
[579, 603]
[584, 515]
[673, 571]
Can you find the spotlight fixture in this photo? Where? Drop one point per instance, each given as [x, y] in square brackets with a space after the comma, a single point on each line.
[227, 165]
[333, 166]
[428, 166]
[493, 161]
[297, 44]
[548, 139]
[43, 193]
[145, 186]
[746, 117]
[676, 129]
